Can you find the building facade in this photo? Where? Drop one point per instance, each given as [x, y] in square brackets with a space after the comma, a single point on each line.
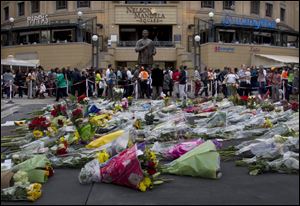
[231, 32]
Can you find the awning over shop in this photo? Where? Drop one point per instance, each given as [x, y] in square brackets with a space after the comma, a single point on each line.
[282, 59]
[17, 62]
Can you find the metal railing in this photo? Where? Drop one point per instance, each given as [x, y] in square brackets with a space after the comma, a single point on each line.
[156, 43]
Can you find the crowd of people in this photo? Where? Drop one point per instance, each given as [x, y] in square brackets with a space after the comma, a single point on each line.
[152, 83]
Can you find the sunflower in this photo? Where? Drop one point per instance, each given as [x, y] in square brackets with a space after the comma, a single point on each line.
[37, 134]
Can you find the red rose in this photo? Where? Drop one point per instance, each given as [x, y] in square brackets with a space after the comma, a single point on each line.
[244, 98]
[54, 113]
[151, 165]
[151, 171]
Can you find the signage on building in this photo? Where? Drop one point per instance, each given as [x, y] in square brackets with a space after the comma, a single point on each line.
[224, 49]
[41, 19]
[145, 15]
[256, 23]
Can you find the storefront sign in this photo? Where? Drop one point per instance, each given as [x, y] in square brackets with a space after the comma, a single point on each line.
[145, 15]
[41, 19]
[224, 49]
[256, 23]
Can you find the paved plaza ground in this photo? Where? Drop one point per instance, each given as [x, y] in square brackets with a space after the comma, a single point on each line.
[235, 186]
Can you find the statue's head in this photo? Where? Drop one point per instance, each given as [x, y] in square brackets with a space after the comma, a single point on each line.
[145, 33]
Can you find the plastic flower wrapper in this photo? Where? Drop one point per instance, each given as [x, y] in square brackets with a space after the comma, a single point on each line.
[21, 178]
[133, 168]
[217, 120]
[86, 132]
[37, 167]
[202, 161]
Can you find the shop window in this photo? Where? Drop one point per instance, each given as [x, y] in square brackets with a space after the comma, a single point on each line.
[227, 37]
[61, 36]
[34, 38]
[229, 5]
[35, 6]
[4, 40]
[21, 9]
[6, 13]
[81, 4]
[208, 4]
[269, 10]
[45, 37]
[282, 14]
[61, 5]
[255, 5]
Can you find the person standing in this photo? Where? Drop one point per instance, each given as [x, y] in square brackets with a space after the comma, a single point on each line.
[175, 78]
[166, 83]
[242, 78]
[262, 81]
[254, 76]
[129, 82]
[210, 78]
[143, 76]
[275, 83]
[248, 82]
[61, 85]
[284, 78]
[111, 82]
[19, 81]
[98, 80]
[221, 78]
[182, 84]
[157, 76]
[8, 79]
[231, 81]
[204, 79]
[197, 81]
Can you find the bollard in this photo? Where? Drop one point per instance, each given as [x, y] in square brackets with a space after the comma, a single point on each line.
[30, 89]
[283, 89]
[67, 87]
[136, 90]
[87, 87]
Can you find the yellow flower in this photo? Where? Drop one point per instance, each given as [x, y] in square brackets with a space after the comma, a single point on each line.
[152, 156]
[62, 139]
[34, 191]
[37, 134]
[102, 156]
[76, 136]
[147, 181]
[142, 186]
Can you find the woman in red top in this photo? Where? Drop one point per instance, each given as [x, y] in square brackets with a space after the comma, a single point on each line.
[175, 77]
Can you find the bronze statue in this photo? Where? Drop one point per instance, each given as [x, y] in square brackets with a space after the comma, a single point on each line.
[146, 50]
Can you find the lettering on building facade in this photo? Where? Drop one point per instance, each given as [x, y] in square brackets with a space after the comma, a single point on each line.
[145, 15]
[224, 49]
[41, 19]
[256, 23]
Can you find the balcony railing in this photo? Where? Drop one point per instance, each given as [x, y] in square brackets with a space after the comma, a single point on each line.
[156, 43]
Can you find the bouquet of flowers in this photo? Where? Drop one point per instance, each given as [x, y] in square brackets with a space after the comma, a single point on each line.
[38, 125]
[118, 93]
[166, 101]
[135, 167]
[76, 114]
[130, 99]
[83, 99]
[267, 106]
[30, 192]
[59, 110]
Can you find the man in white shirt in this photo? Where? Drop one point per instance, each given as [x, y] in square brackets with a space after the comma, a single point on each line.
[197, 80]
